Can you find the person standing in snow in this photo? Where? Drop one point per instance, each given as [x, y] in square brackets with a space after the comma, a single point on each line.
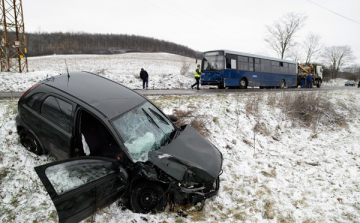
[309, 80]
[303, 78]
[197, 77]
[359, 84]
[145, 77]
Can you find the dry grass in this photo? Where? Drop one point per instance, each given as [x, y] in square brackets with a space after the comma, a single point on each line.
[252, 105]
[189, 117]
[269, 212]
[308, 109]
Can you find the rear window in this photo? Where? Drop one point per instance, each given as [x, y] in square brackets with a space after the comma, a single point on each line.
[32, 99]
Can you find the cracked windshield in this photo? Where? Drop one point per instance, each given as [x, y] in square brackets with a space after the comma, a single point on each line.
[144, 129]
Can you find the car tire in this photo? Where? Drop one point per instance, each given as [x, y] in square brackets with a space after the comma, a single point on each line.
[148, 197]
[243, 83]
[29, 141]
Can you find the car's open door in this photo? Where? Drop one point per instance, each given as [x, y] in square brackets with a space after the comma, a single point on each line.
[79, 187]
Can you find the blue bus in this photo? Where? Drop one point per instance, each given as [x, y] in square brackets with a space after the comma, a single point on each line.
[226, 68]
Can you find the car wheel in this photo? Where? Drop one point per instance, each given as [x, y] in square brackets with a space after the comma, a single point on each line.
[29, 141]
[148, 197]
[243, 83]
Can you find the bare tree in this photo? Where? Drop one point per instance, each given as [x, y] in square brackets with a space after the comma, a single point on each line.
[295, 53]
[337, 57]
[313, 47]
[280, 36]
[354, 68]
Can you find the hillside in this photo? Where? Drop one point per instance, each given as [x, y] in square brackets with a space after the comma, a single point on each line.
[40, 44]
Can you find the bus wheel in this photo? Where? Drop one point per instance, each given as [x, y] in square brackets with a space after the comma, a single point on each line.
[282, 84]
[243, 83]
[221, 86]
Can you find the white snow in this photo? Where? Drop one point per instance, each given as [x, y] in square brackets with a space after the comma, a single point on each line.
[282, 171]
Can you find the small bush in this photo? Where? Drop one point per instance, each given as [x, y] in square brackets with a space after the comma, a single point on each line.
[252, 105]
[185, 67]
[309, 109]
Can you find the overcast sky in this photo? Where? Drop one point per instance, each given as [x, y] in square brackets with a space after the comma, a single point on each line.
[198, 24]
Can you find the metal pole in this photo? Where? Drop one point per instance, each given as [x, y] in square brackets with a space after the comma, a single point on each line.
[6, 39]
[25, 49]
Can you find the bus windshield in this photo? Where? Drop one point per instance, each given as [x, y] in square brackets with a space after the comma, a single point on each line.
[213, 61]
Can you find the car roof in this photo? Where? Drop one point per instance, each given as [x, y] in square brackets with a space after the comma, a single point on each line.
[107, 96]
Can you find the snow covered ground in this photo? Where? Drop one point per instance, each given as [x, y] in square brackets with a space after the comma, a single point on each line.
[163, 69]
[277, 168]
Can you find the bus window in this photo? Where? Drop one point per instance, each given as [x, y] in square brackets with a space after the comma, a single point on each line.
[257, 66]
[251, 64]
[213, 61]
[292, 69]
[230, 63]
[243, 66]
[265, 65]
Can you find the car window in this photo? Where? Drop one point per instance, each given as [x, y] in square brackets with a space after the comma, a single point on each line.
[143, 129]
[57, 111]
[70, 175]
[31, 101]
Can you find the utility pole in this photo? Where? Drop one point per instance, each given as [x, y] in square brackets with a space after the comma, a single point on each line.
[12, 37]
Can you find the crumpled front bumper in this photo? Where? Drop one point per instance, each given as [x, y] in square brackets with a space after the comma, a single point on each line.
[193, 195]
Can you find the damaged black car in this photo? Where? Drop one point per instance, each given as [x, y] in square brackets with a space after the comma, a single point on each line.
[112, 143]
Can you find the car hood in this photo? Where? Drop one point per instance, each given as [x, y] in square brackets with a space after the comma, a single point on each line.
[189, 156]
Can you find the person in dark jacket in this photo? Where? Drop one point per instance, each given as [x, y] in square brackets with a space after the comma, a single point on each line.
[309, 80]
[303, 79]
[197, 77]
[145, 77]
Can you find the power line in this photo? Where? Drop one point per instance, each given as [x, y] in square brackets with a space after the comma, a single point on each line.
[334, 12]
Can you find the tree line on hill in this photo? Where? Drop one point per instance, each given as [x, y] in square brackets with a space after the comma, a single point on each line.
[85, 43]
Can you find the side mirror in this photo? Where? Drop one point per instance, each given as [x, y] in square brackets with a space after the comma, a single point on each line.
[173, 118]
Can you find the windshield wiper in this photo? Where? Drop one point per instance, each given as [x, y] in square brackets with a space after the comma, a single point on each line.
[159, 116]
[151, 120]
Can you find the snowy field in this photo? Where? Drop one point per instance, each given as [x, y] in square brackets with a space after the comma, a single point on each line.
[163, 69]
[278, 167]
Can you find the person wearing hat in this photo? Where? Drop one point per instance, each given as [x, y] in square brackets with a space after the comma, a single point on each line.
[145, 77]
[197, 77]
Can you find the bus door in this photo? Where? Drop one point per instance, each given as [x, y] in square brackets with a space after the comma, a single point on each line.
[231, 75]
